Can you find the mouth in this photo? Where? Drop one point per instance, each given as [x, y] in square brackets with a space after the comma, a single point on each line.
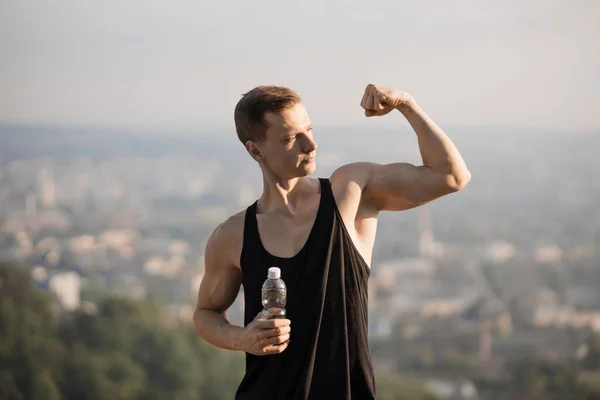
[308, 160]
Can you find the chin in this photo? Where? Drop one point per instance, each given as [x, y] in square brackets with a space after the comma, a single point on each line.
[309, 168]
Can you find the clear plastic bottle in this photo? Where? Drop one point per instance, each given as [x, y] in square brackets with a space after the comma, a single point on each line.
[274, 294]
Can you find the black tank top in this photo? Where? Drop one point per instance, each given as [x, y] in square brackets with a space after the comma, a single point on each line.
[328, 354]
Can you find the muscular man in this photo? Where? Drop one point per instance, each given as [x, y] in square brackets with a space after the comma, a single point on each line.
[320, 233]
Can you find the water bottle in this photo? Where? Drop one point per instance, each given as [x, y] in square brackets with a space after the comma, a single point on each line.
[274, 294]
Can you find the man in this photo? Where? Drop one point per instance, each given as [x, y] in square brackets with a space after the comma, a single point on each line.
[320, 232]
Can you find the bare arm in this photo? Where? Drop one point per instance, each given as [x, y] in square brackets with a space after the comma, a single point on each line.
[218, 290]
[401, 186]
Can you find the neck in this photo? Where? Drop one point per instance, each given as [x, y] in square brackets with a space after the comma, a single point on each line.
[283, 194]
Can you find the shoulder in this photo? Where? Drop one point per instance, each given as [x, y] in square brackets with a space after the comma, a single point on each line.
[349, 181]
[357, 173]
[348, 184]
[226, 240]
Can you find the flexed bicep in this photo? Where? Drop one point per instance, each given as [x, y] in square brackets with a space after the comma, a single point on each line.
[396, 186]
[401, 186]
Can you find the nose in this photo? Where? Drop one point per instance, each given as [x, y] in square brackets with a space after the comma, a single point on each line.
[311, 145]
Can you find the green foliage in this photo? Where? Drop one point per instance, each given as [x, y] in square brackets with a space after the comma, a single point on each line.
[125, 350]
[98, 375]
[538, 378]
[592, 360]
[29, 349]
[395, 387]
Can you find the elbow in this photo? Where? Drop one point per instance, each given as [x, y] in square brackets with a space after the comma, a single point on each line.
[459, 181]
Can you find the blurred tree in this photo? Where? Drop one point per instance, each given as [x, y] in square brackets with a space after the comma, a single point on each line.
[221, 371]
[29, 350]
[533, 377]
[592, 360]
[101, 376]
[396, 387]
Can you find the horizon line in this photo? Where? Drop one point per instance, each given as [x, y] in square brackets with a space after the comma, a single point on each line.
[161, 128]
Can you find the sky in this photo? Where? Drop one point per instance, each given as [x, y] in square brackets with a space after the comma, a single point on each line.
[145, 63]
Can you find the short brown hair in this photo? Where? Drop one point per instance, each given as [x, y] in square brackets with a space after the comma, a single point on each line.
[252, 107]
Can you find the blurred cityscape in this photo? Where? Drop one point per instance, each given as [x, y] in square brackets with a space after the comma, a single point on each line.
[507, 268]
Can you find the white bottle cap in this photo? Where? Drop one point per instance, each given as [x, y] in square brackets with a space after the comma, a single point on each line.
[274, 273]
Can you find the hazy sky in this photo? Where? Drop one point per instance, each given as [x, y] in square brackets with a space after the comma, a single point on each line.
[521, 63]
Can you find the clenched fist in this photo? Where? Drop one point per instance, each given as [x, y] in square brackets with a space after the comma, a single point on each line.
[265, 336]
[379, 100]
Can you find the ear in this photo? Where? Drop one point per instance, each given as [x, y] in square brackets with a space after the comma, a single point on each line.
[254, 150]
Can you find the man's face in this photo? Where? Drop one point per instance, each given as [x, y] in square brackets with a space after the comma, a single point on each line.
[289, 149]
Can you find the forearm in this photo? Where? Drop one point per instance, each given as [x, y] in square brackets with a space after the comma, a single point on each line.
[216, 329]
[437, 150]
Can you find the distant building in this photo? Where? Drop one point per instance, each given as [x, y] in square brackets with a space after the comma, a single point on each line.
[127, 285]
[46, 188]
[82, 244]
[31, 208]
[13, 225]
[389, 272]
[428, 246]
[380, 326]
[563, 316]
[48, 243]
[488, 315]
[24, 245]
[53, 258]
[67, 287]
[498, 252]
[547, 253]
[54, 220]
[167, 267]
[450, 390]
[154, 265]
[39, 274]
[442, 308]
[118, 240]
[179, 247]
